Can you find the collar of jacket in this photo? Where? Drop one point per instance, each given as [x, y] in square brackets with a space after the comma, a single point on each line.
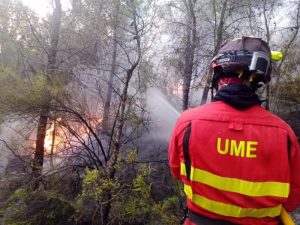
[238, 96]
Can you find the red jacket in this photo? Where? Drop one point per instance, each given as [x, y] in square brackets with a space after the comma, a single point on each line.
[240, 166]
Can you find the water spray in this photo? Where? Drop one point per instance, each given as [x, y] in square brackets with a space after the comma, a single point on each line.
[163, 114]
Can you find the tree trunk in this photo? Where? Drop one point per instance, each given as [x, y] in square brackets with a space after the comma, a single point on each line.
[187, 76]
[218, 42]
[122, 116]
[54, 39]
[113, 70]
[191, 44]
[38, 160]
[268, 40]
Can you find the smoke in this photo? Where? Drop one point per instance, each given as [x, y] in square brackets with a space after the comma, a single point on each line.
[13, 133]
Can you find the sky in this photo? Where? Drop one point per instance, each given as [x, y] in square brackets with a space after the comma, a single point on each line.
[43, 7]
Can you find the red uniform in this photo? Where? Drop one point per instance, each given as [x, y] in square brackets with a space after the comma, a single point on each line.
[236, 165]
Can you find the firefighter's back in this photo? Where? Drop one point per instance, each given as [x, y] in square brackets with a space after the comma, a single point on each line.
[237, 166]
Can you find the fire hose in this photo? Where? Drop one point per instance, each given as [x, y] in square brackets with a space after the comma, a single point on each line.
[286, 218]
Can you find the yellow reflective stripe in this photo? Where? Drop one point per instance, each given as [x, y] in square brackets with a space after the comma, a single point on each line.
[228, 209]
[249, 188]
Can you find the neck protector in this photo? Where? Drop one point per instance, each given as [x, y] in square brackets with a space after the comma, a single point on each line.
[238, 96]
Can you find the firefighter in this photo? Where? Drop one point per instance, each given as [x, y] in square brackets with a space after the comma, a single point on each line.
[238, 162]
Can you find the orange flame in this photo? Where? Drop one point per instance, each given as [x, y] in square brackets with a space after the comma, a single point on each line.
[178, 89]
[49, 139]
[58, 131]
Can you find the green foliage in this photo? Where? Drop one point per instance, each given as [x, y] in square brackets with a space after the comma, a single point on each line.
[146, 68]
[137, 206]
[21, 95]
[94, 186]
[96, 189]
[136, 203]
[131, 196]
[37, 208]
[131, 157]
[134, 120]
[289, 90]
